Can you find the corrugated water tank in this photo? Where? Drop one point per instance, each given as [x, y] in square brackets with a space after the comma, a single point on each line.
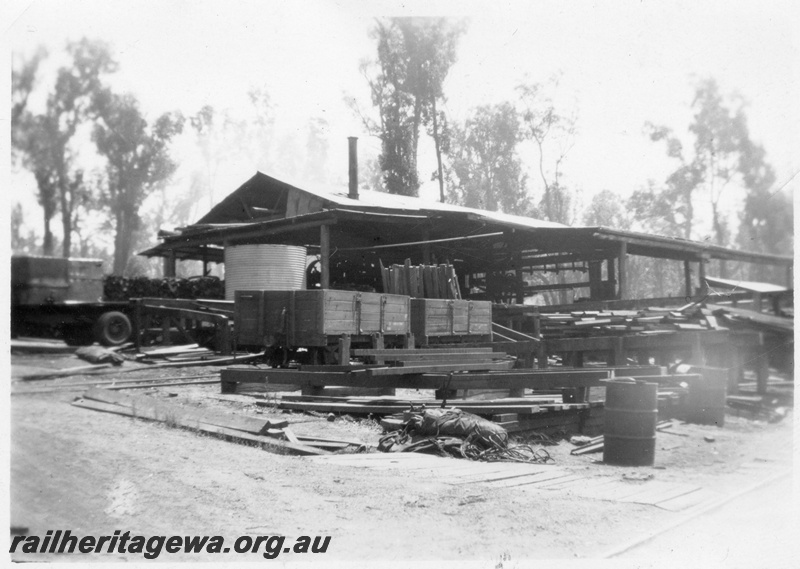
[264, 267]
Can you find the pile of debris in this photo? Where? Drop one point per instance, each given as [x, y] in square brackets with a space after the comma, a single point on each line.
[454, 432]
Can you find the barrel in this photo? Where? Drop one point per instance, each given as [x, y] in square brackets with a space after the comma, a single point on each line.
[264, 267]
[706, 400]
[631, 414]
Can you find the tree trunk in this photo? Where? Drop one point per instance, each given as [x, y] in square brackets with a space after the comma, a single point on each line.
[66, 225]
[438, 152]
[64, 201]
[689, 216]
[121, 244]
[47, 245]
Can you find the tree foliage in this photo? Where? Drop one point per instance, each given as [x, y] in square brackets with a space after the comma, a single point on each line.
[484, 169]
[406, 83]
[316, 154]
[721, 166]
[218, 136]
[553, 135]
[45, 139]
[607, 210]
[137, 161]
[23, 81]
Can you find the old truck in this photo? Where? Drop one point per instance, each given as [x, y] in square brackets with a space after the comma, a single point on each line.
[63, 298]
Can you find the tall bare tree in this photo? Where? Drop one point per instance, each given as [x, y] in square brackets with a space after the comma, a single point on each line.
[553, 135]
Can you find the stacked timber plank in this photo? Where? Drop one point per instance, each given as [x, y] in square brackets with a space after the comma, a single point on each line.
[649, 321]
[743, 318]
[453, 357]
[388, 405]
[414, 377]
[421, 281]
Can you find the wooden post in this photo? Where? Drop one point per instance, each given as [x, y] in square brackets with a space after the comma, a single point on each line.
[762, 371]
[426, 247]
[701, 275]
[761, 364]
[735, 370]
[541, 355]
[344, 349]
[623, 271]
[596, 280]
[166, 340]
[169, 265]
[618, 352]
[611, 283]
[520, 293]
[325, 256]
[223, 334]
[687, 279]
[698, 357]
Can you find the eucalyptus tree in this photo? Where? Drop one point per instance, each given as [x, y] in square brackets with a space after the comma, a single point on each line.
[46, 140]
[414, 56]
[138, 161]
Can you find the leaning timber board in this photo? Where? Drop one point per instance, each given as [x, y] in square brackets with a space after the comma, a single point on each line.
[310, 317]
[449, 317]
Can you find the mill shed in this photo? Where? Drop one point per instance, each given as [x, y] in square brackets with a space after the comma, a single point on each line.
[352, 231]
[360, 241]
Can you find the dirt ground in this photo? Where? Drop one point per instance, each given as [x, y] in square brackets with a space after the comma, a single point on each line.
[94, 473]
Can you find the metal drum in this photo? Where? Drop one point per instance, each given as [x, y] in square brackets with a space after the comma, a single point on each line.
[631, 414]
[705, 403]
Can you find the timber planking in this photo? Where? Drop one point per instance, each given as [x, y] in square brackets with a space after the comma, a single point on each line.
[533, 379]
[178, 418]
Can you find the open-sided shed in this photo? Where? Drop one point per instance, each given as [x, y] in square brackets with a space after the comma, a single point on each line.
[492, 252]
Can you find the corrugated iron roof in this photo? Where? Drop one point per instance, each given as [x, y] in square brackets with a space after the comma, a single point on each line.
[263, 193]
[384, 200]
[251, 192]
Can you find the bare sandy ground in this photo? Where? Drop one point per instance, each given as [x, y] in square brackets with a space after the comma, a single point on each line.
[94, 473]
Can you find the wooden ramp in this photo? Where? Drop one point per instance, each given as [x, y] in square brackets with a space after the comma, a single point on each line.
[671, 496]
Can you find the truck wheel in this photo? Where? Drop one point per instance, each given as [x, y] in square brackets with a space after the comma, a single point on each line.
[112, 329]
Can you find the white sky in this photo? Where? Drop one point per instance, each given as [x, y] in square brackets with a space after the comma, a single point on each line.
[623, 63]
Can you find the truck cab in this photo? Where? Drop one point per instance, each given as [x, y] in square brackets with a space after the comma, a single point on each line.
[63, 297]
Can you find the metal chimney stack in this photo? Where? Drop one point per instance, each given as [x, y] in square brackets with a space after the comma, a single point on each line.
[353, 144]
